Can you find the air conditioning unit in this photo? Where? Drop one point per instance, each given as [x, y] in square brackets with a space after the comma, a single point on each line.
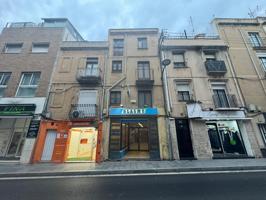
[75, 114]
[258, 108]
[133, 101]
[251, 108]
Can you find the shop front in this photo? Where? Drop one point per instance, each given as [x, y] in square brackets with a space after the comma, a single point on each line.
[68, 141]
[15, 121]
[226, 133]
[133, 134]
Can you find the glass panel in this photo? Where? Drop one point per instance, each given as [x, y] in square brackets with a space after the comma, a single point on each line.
[214, 138]
[14, 144]
[35, 79]
[133, 139]
[26, 92]
[143, 139]
[26, 79]
[4, 78]
[230, 137]
[115, 136]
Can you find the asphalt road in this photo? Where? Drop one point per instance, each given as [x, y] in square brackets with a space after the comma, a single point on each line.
[194, 186]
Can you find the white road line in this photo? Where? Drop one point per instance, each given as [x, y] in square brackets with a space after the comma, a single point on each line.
[125, 175]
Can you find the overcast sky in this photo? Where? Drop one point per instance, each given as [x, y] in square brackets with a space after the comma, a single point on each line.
[93, 18]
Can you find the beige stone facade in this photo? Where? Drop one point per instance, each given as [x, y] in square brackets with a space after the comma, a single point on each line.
[246, 41]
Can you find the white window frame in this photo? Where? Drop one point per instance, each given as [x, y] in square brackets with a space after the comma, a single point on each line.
[1, 78]
[12, 44]
[179, 63]
[27, 86]
[178, 84]
[40, 44]
[142, 43]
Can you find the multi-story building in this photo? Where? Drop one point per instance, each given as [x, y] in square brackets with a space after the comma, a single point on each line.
[205, 106]
[134, 117]
[27, 59]
[246, 39]
[75, 100]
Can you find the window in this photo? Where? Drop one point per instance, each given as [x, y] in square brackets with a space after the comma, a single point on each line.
[13, 48]
[142, 43]
[28, 84]
[92, 67]
[220, 95]
[40, 47]
[178, 60]
[262, 128]
[144, 99]
[263, 62]
[183, 92]
[255, 39]
[4, 77]
[117, 66]
[118, 47]
[210, 56]
[115, 98]
[144, 70]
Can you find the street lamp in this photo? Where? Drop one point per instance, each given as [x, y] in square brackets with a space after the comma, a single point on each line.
[165, 63]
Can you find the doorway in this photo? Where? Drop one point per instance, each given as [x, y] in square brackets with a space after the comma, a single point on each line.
[184, 139]
[48, 148]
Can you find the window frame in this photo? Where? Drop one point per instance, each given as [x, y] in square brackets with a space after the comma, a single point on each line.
[117, 70]
[13, 44]
[142, 43]
[263, 64]
[145, 92]
[116, 103]
[176, 63]
[40, 44]
[118, 50]
[28, 86]
[255, 39]
[2, 86]
[182, 92]
[262, 128]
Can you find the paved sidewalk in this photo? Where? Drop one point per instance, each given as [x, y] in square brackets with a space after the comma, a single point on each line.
[129, 167]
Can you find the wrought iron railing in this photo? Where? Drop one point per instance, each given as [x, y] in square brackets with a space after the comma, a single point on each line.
[215, 67]
[83, 111]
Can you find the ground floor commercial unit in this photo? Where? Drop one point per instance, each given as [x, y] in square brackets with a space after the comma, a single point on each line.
[68, 141]
[135, 134]
[19, 125]
[213, 135]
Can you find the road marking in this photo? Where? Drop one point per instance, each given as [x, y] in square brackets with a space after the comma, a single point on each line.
[126, 175]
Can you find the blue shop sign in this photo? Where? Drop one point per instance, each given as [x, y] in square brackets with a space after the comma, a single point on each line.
[133, 111]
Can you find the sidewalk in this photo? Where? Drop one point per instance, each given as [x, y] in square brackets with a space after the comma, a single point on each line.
[129, 167]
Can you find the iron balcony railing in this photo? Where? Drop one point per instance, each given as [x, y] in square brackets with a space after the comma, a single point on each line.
[215, 67]
[83, 111]
[89, 75]
[225, 101]
[144, 77]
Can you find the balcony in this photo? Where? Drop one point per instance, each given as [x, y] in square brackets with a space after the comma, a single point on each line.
[89, 76]
[83, 111]
[145, 77]
[226, 102]
[215, 67]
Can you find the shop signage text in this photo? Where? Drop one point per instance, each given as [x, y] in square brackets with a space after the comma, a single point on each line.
[33, 129]
[133, 111]
[17, 109]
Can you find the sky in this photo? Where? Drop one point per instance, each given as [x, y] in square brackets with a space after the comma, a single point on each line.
[93, 18]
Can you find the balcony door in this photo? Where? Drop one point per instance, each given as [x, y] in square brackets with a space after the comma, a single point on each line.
[87, 102]
[220, 96]
[144, 71]
[91, 67]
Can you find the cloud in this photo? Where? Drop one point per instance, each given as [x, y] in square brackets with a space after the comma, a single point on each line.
[93, 18]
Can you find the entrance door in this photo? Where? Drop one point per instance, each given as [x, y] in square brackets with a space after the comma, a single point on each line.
[184, 139]
[138, 139]
[87, 103]
[49, 146]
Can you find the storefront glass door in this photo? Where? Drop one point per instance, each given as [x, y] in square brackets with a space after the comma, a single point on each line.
[138, 139]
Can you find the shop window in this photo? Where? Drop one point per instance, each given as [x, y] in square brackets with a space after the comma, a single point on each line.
[144, 99]
[178, 60]
[183, 92]
[118, 47]
[225, 137]
[262, 128]
[40, 47]
[142, 43]
[4, 78]
[28, 84]
[117, 66]
[13, 48]
[115, 98]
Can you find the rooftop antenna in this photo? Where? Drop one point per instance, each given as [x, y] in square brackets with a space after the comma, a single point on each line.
[251, 13]
[191, 24]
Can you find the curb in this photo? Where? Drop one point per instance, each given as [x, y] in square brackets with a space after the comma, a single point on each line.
[122, 172]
